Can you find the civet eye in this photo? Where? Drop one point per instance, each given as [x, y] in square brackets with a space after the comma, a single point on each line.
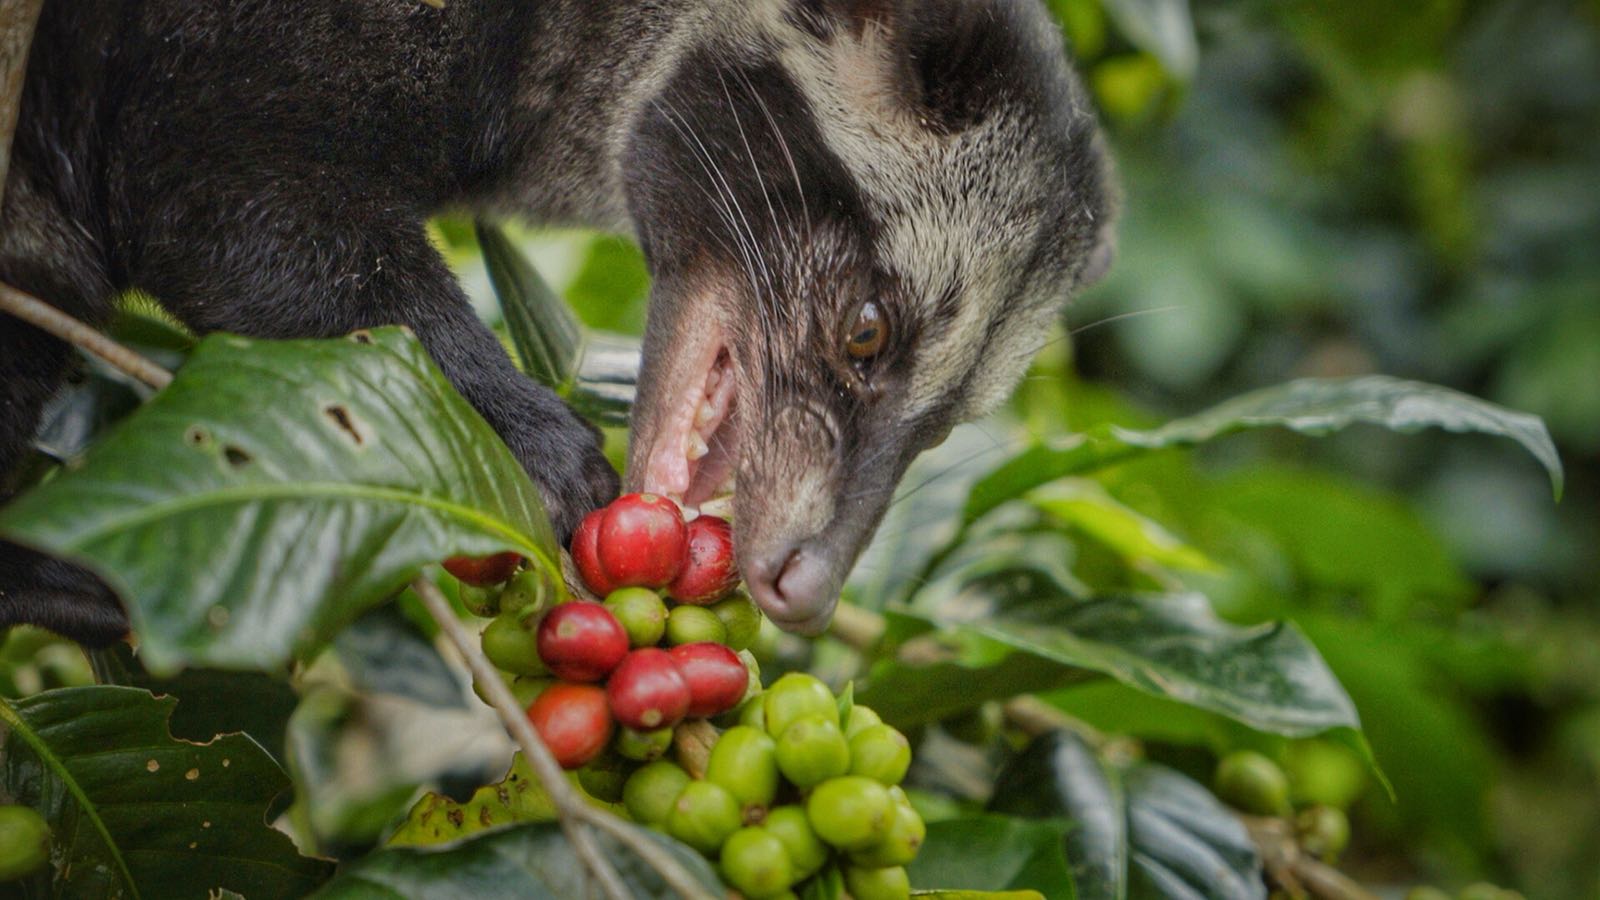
[869, 334]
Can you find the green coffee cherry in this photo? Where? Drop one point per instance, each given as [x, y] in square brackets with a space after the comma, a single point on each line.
[741, 618]
[807, 853]
[1324, 831]
[650, 792]
[527, 595]
[511, 647]
[605, 777]
[644, 746]
[24, 842]
[1252, 783]
[850, 812]
[880, 753]
[1322, 773]
[792, 698]
[753, 713]
[812, 750]
[703, 816]
[481, 602]
[756, 863]
[527, 688]
[744, 761]
[860, 719]
[899, 847]
[693, 625]
[877, 884]
[643, 615]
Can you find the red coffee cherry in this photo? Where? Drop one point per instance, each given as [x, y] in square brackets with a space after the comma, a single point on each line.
[483, 571]
[581, 641]
[716, 677]
[574, 721]
[709, 572]
[641, 542]
[585, 554]
[647, 691]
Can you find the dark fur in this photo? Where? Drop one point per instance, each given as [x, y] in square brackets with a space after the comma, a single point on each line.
[266, 168]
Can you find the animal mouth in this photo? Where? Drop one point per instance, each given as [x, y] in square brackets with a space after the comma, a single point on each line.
[693, 453]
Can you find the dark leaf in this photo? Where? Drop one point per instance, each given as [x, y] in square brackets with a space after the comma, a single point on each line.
[994, 853]
[136, 812]
[548, 336]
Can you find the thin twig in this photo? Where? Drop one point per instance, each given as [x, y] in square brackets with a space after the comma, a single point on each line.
[569, 807]
[47, 318]
[17, 21]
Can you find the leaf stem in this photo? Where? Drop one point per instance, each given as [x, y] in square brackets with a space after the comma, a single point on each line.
[47, 318]
[573, 811]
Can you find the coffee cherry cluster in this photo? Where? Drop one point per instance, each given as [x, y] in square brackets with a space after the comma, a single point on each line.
[795, 786]
[583, 669]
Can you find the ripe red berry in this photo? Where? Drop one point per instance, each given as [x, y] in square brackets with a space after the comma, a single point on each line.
[585, 554]
[716, 677]
[708, 573]
[483, 571]
[641, 541]
[581, 641]
[574, 721]
[647, 691]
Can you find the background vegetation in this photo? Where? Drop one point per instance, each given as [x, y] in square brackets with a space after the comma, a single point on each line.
[1312, 189]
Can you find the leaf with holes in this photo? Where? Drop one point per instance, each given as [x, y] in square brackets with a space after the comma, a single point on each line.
[1139, 831]
[276, 490]
[525, 862]
[437, 819]
[137, 813]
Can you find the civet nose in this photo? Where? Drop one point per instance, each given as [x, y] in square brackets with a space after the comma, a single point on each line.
[794, 587]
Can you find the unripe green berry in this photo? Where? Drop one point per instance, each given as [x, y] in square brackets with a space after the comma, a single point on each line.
[511, 647]
[755, 862]
[754, 713]
[694, 625]
[528, 595]
[481, 602]
[795, 696]
[812, 750]
[703, 816]
[24, 842]
[1252, 783]
[527, 688]
[850, 812]
[1324, 831]
[877, 884]
[899, 847]
[860, 719]
[650, 792]
[744, 761]
[807, 853]
[741, 618]
[642, 612]
[880, 753]
[605, 777]
[644, 746]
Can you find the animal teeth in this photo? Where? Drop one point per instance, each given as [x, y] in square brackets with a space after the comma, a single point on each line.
[697, 448]
[721, 507]
[704, 415]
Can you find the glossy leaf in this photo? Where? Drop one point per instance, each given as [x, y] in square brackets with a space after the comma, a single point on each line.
[994, 853]
[240, 531]
[1309, 406]
[527, 862]
[1139, 831]
[548, 336]
[138, 813]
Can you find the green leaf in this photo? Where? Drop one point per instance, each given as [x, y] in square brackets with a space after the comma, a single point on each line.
[1089, 508]
[1309, 406]
[989, 853]
[1268, 676]
[515, 799]
[1139, 831]
[527, 862]
[979, 895]
[136, 812]
[548, 336]
[276, 490]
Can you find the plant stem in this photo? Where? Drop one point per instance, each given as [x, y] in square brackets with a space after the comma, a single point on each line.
[47, 318]
[17, 21]
[574, 811]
